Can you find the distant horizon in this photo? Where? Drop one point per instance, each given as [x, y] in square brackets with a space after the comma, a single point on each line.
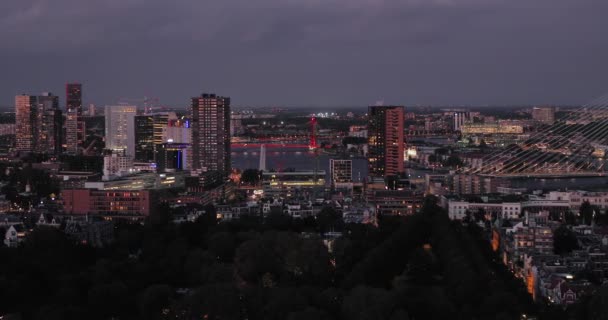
[328, 108]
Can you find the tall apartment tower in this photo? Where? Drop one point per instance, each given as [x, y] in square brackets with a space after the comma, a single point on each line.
[25, 118]
[50, 120]
[210, 116]
[74, 126]
[38, 121]
[120, 129]
[385, 140]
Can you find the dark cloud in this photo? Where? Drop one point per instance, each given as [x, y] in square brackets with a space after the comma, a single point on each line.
[303, 52]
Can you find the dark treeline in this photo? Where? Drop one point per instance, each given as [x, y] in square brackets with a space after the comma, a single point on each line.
[420, 267]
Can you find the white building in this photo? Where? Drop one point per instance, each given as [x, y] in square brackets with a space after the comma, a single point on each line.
[116, 166]
[120, 129]
[341, 173]
[457, 210]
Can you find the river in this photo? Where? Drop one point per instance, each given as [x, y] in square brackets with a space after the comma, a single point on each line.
[295, 158]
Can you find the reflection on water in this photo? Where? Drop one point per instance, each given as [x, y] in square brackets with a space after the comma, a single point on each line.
[299, 159]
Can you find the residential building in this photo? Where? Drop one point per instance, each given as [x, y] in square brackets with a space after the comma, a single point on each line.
[210, 116]
[341, 173]
[14, 235]
[385, 140]
[50, 125]
[26, 117]
[114, 204]
[74, 125]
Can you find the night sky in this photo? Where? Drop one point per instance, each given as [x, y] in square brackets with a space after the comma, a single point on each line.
[308, 52]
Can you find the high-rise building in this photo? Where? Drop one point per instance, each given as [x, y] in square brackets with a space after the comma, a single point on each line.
[120, 129]
[50, 120]
[74, 125]
[144, 138]
[161, 122]
[341, 172]
[210, 116]
[545, 115]
[385, 140]
[71, 132]
[459, 120]
[25, 118]
[38, 121]
[73, 97]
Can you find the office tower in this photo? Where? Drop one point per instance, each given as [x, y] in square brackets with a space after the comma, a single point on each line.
[211, 133]
[161, 121]
[25, 118]
[385, 140]
[545, 115]
[171, 157]
[341, 172]
[120, 129]
[144, 138]
[73, 97]
[459, 120]
[49, 124]
[74, 126]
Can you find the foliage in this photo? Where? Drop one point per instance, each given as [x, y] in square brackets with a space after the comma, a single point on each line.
[564, 240]
[419, 267]
[250, 176]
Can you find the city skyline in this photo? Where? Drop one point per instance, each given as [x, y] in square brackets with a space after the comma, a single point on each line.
[413, 52]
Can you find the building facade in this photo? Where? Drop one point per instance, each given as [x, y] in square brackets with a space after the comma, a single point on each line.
[144, 138]
[210, 116]
[544, 115]
[50, 125]
[126, 204]
[120, 129]
[25, 117]
[385, 140]
[341, 172]
[74, 125]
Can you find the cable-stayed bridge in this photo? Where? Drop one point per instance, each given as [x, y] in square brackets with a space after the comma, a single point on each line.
[576, 145]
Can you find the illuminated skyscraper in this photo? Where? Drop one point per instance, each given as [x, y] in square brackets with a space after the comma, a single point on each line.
[210, 115]
[25, 118]
[49, 124]
[74, 126]
[385, 140]
[120, 129]
[38, 121]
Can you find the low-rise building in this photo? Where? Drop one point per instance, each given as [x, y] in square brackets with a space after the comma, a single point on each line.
[118, 204]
